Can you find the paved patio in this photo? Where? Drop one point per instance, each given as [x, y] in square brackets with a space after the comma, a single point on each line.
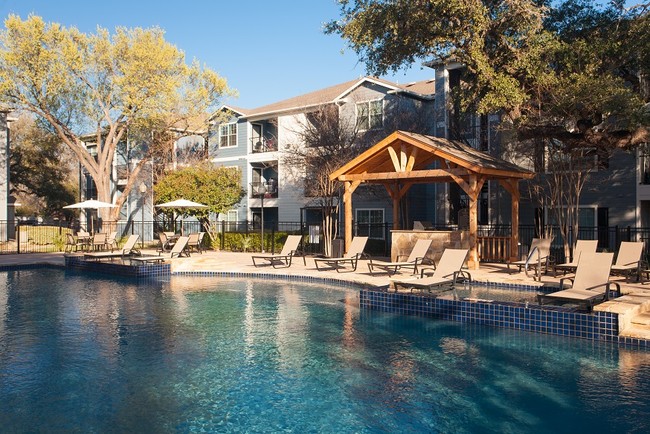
[632, 307]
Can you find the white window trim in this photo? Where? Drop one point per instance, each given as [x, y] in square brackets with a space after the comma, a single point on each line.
[236, 124]
[356, 113]
[235, 211]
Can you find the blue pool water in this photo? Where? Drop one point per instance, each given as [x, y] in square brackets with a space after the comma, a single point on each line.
[220, 355]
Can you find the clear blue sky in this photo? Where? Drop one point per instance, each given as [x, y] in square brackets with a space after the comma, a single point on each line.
[268, 50]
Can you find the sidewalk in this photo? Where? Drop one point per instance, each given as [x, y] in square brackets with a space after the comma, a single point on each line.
[212, 261]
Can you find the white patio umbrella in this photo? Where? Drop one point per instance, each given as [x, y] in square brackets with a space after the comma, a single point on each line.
[181, 203]
[90, 204]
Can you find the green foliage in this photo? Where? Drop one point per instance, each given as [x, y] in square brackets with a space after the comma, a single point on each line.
[59, 242]
[558, 70]
[217, 187]
[246, 242]
[38, 167]
[44, 235]
[235, 241]
[105, 85]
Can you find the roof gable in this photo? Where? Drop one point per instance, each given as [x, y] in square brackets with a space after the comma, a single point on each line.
[409, 156]
[336, 93]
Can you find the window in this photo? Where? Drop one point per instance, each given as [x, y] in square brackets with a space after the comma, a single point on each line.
[561, 159]
[370, 222]
[227, 135]
[231, 220]
[370, 115]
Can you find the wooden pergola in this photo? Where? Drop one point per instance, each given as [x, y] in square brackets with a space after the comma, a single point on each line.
[403, 159]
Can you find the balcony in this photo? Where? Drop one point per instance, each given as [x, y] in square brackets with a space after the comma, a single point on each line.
[269, 189]
[263, 144]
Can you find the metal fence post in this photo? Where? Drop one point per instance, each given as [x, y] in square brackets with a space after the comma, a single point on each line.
[18, 238]
[223, 235]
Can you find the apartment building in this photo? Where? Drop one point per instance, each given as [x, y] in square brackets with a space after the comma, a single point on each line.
[256, 140]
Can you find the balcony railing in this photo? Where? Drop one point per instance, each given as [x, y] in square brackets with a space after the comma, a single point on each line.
[268, 189]
[264, 144]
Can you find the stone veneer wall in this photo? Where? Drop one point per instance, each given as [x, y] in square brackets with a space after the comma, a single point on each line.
[404, 241]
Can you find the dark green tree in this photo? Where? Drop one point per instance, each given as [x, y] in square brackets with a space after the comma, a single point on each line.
[39, 169]
[567, 71]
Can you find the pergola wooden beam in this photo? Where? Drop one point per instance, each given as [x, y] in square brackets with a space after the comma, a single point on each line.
[410, 175]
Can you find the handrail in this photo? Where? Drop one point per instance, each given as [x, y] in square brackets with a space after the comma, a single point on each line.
[539, 263]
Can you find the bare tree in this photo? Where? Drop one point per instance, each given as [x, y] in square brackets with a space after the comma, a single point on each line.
[562, 173]
[324, 143]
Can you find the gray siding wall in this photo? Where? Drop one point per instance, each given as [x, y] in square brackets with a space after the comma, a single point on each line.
[613, 188]
[235, 151]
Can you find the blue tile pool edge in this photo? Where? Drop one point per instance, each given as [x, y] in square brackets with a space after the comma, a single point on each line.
[140, 271]
[595, 326]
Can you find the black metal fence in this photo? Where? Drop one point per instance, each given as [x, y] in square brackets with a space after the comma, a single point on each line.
[247, 235]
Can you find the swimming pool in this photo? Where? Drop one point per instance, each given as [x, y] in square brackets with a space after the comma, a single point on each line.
[222, 355]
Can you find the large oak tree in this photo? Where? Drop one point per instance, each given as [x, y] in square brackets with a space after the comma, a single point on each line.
[567, 71]
[110, 86]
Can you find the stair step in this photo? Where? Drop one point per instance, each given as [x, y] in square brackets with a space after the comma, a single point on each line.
[637, 331]
[641, 319]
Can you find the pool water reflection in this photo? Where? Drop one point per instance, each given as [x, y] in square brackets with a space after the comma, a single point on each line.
[221, 355]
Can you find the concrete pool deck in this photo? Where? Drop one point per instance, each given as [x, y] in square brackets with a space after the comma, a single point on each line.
[633, 307]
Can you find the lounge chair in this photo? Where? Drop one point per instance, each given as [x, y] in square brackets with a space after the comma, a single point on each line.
[582, 246]
[111, 241]
[590, 284]
[72, 243]
[538, 257]
[446, 274]
[417, 257]
[165, 242]
[193, 242]
[628, 259]
[284, 258]
[99, 241]
[127, 250]
[354, 253]
[179, 250]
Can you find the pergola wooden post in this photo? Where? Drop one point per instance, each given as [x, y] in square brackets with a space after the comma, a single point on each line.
[403, 159]
[472, 188]
[347, 210]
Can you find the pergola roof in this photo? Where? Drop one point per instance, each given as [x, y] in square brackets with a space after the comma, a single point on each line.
[409, 157]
